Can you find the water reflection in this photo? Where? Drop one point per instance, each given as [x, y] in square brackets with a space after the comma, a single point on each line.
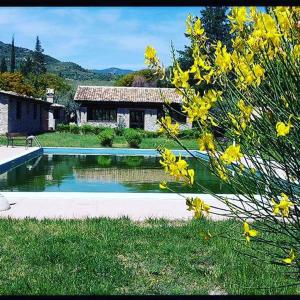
[91, 173]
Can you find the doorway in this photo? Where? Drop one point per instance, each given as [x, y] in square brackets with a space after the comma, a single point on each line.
[137, 119]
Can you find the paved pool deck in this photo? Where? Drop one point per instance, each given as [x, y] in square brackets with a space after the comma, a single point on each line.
[136, 206]
[10, 153]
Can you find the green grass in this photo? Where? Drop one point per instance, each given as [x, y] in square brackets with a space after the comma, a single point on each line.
[105, 256]
[56, 139]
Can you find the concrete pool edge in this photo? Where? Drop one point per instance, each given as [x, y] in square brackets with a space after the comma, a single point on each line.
[77, 205]
[14, 161]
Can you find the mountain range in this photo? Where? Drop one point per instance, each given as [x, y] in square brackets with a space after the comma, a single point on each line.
[67, 70]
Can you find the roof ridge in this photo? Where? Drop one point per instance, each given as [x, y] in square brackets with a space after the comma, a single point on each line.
[124, 87]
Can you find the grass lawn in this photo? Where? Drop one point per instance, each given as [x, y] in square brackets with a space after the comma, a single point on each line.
[56, 139]
[105, 256]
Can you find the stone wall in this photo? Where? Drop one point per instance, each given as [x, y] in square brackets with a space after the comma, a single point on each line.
[27, 123]
[3, 114]
[150, 120]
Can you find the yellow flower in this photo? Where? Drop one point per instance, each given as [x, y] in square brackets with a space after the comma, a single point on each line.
[290, 258]
[150, 56]
[284, 128]
[206, 142]
[191, 174]
[249, 233]
[223, 58]
[296, 51]
[163, 185]
[167, 126]
[198, 29]
[232, 154]
[282, 208]
[180, 78]
[237, 18]
[198, 206]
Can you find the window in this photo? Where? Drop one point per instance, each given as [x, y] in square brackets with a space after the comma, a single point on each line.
[34, 110]
[56, 114]
[19, 110]
[102, 114]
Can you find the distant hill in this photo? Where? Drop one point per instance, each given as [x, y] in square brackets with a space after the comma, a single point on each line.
[67, 70]
[114, 71]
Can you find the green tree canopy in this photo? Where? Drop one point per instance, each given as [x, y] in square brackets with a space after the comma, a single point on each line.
[3, 66]
[38, 58]
[13, 56]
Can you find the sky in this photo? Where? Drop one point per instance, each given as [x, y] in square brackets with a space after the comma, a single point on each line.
[98, 37]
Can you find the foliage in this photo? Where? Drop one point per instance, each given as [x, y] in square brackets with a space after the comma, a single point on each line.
[142, 78]
[106, 137]
[39, 66]
[17, 83]
[13, 56]
[87, 129]
[3, 66]
[66, 70]
[133, 137]
[26, 66]
[216, 26]
[256, 86]
[189, 134]
[74, 129]
[120, 126]
[63, 127]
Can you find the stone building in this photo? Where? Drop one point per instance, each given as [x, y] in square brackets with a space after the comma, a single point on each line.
[20, 113]
[132, 107]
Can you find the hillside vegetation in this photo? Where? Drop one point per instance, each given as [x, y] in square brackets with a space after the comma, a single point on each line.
[67, 70]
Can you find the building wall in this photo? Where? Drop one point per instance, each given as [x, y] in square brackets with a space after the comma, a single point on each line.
[150, 119]
[26, 123]
[123, 116]
[3, 114]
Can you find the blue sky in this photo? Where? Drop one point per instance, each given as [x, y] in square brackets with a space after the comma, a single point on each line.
[98, 37]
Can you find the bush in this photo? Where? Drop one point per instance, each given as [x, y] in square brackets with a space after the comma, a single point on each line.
[87, 129]
[74, 129]
[63, 127]
[189, 134]
[106, 137]
[133, 137]
[98, 129]
[152, 134]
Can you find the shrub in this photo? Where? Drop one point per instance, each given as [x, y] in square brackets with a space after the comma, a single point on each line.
[106, 137]
[98, 129]
[87, 129]
[74, 128]
[189, 133]
[133, 137]
[152, 134]
[255, 87]
[63, 127]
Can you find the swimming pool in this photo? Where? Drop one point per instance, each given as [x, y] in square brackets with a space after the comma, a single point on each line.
[101, 170]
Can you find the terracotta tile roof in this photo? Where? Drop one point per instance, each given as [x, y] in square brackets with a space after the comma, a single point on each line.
[126, 94]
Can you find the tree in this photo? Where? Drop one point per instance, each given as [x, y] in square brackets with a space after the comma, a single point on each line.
[216, 26]
[67, 99]
[26, 66]
[13, 56]
[141, 78]
[38, 59]
[3, 67]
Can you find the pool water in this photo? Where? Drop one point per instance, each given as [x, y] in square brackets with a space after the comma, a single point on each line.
[101, 173]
